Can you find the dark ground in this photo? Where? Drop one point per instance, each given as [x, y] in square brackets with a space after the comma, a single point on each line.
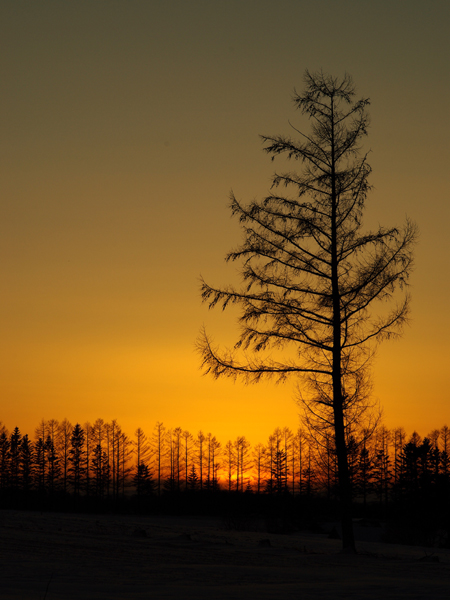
[62, 556]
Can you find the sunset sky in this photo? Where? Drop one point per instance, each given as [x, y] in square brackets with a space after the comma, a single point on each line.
[124, 126]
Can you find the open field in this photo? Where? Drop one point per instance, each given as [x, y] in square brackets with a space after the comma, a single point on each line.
[110, 557]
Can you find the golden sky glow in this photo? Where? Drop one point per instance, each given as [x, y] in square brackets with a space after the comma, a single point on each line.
[124, 126]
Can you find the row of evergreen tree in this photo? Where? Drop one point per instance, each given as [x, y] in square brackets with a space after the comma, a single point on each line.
[100, 460]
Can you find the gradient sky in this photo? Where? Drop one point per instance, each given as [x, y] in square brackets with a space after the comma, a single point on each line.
[124, 125]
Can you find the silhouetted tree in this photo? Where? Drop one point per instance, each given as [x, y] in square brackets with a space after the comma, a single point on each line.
[279, 470]
[114, 433]
[177, 456]
[52, 429]
[300, 441]
[143, 480]
[53, 466]
[41, 467]
[199, 442]
[382, 467]
[208, 481]
[435, 455]
[364, 473]
[119, 451]
[230, 462]
[64, 436]
[258, 455]
[26, 463]
[214, 453]
[269, 457]
[325, 458]
[425, 465]
[101, 471]
[309, 474]
[124, 468]
[242, 460]
[4, 457]
[158, 442]
[170, 482]
[312, 279]
[39, 464]
[188, 445]
[143, 455]
[278, 466]
[14, 460]
[100, 458]
[444, 467]
[288, 446]
[192, 478]
[41, 430]
[88, 443]
[353, 461]
[408, 481]
[399, 439]
[76, 459]
[445, 454]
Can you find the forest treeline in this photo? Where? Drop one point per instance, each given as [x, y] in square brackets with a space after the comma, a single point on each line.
[100, 460]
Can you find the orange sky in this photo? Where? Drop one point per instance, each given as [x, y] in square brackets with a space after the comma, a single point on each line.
[124, 127]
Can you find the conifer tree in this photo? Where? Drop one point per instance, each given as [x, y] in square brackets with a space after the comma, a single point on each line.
[158, 440]
[316, 285]
[258, 454]
[143, 454]
[64, 435]
[4, 458]
[14, 460]
[214, 453]
[143, 480]
[53, 468]
[26, 464]
[230, 462]
[188, 441]
[76, 459]
[445, 454]
[200, 443]
[193, 478]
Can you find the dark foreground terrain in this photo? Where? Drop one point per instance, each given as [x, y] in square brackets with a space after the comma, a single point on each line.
[60, 556]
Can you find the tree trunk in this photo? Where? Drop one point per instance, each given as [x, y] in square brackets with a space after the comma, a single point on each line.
[345, 492]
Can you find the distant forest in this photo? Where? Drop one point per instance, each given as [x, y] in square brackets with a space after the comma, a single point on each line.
[98, 467]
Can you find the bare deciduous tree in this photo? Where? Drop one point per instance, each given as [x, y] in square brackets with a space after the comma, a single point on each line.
[316, 287]
[64, 436]
[158, 440]
[188, 445]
